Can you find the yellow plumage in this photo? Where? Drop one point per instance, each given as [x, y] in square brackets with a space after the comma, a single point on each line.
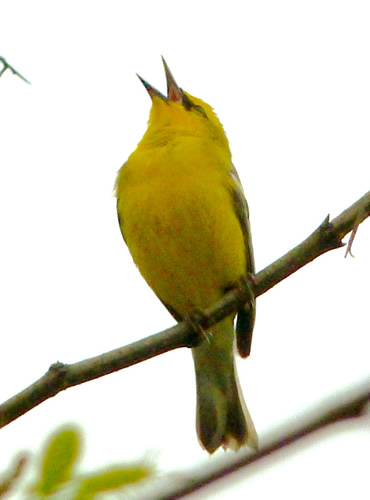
[184, 218]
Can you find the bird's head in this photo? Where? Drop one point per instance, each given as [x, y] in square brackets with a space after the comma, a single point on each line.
[180, 114]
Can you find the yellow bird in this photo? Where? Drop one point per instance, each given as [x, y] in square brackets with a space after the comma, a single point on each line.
[184, 218]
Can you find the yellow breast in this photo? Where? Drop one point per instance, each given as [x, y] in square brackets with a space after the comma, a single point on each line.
[178, 220]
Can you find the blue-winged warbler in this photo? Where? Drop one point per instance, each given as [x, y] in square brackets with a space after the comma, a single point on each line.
[183, 215]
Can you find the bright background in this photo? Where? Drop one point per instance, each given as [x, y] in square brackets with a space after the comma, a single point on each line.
[290, 81]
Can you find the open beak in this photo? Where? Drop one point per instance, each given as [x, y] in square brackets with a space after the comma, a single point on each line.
[152, 91]
[174, 92]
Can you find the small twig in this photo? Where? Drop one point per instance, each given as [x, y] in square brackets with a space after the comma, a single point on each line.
[9, 479]
[353, 233]
[59, 377]
[350, 242]
[15, 72]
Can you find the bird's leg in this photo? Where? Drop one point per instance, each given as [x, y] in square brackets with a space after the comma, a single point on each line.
[195, 320]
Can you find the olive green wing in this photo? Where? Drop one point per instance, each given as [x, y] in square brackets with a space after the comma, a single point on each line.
[246, 316]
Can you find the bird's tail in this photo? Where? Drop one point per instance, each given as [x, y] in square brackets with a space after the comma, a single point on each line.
[222, 416]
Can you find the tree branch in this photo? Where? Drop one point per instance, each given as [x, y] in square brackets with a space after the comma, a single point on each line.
[15, 72]
[59, 377]
[351, 404]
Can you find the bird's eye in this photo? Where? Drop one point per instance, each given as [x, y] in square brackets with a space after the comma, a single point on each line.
[190, 106]
[200, 110]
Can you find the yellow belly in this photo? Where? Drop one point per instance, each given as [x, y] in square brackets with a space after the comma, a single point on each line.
[182, 232]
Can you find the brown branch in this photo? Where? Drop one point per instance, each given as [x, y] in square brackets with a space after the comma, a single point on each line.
[6, 66]
[327, 236]
[352, 404]
[9, 479]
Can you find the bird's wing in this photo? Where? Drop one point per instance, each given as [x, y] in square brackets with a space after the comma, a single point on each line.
[246, 316]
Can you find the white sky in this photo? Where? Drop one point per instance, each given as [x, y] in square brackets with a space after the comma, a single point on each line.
[290, 82]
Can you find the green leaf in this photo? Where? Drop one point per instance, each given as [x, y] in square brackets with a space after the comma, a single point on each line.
[111, 479]
[59, 458]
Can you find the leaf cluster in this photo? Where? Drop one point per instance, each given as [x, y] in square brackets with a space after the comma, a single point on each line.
[58, 476]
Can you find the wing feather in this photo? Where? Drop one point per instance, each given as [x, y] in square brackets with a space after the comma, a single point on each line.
[246, 316]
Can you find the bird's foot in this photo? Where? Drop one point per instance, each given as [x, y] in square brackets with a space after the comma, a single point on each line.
[195, 320]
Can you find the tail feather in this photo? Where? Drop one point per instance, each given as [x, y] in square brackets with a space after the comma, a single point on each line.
[222, 416]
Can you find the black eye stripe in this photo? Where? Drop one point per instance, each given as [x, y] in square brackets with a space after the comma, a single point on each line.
[189, 105]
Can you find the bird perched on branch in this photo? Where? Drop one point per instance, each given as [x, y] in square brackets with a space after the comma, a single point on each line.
[184, 218]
